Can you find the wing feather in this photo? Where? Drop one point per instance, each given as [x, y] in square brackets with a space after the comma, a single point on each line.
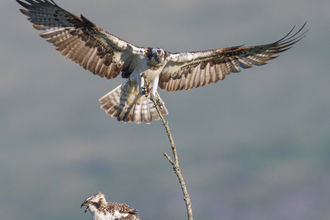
[80, 40]
[212, 72]
[189, 70]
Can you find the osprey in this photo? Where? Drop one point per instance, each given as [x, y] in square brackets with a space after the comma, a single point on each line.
[106, 55]
[103, 210]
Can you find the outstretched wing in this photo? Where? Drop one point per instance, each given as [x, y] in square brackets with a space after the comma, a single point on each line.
[80, 40]
[190, 70]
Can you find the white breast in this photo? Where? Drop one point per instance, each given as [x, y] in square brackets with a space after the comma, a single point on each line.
[108, 216]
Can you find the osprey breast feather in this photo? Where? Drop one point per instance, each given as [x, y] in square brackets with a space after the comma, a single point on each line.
[106, 55]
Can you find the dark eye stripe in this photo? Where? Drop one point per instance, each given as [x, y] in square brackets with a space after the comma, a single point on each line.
[96, 204]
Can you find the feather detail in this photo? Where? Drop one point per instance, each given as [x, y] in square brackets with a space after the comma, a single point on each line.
[188, 70]
[81, 40]
[126, 104]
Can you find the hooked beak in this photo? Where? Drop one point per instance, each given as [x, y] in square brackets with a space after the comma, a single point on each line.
[86, 207]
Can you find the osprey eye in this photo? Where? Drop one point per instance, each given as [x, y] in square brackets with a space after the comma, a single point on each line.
[89, 202]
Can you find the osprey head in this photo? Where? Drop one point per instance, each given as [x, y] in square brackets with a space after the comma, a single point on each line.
[158, 54]
[94, 202]
[156, 57]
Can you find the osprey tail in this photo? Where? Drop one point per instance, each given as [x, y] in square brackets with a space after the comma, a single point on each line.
[127, 104]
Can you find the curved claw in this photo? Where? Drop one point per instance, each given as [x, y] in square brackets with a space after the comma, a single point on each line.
[159, 103]
[145, 91]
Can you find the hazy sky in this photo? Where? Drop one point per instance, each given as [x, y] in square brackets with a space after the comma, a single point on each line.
[254, 146]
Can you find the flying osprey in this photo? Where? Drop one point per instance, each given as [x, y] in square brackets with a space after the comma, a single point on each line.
[103, 210]
[106, 55]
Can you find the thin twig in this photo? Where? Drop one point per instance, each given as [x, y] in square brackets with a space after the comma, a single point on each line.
[174, 163]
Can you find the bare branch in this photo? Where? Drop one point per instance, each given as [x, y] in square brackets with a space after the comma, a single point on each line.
[174, 163]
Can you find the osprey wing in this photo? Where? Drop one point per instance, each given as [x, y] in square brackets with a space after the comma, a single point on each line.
[190, 70]
[80, 40]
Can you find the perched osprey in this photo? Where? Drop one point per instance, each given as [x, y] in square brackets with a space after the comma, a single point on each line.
[103, 210]
[106, 55]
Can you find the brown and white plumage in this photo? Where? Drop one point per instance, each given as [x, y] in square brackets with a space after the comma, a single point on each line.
[194, 69]
[103, 210]
[106, 55]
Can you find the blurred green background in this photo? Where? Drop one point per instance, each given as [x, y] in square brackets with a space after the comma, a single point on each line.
[254, 146]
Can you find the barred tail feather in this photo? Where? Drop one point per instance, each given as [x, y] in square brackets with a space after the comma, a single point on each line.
[126, 104]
